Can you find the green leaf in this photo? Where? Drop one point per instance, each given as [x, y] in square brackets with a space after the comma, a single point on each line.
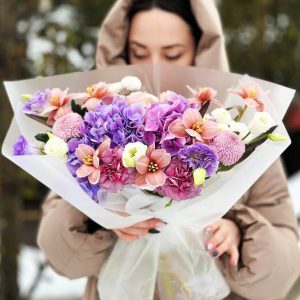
[76, 108]
[169, 203]
[42, 137]
[204, 108]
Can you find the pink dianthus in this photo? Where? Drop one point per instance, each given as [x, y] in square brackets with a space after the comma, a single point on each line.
[68, 126]
[228, 146]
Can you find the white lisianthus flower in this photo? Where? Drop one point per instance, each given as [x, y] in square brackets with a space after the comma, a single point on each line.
[116, 87]
[261, 122]
[132, 153]
[222, 126]
[242, 129]
[55, 146]
[131, 83]
[221, 115]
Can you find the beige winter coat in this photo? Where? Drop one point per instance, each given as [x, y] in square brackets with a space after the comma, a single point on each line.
[270, 256]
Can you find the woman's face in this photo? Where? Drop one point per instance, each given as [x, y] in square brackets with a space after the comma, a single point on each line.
[157, 36]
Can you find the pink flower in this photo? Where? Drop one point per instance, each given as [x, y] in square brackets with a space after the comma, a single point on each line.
[68, 126]
[193, 125]
[203, 95]
[113, 174]
[58, 99]
[251, 94]
[228, 146]
[180, 183]
[150, 167]
[97, 93]
[90, 166]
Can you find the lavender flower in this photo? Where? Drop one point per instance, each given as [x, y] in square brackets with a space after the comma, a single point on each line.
[36, 104]
[173, 146]
[200, 155]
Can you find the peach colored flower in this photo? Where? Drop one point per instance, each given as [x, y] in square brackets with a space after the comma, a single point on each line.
[150, 167]
[203, 95]
[252, 94]
[97, 93]
[193, 125]
[90, 166]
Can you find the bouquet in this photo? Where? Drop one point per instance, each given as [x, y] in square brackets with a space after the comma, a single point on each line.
[136, 154]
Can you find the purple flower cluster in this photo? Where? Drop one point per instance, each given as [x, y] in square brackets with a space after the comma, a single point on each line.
[199, 155]
[22, 147]
[121, 122]
[36, 104]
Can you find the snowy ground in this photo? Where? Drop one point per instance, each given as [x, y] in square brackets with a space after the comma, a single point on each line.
[54, 287]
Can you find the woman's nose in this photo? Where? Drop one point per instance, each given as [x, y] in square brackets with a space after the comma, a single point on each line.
[156, 59]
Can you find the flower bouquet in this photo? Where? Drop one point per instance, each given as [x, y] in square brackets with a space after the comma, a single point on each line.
[126, 144]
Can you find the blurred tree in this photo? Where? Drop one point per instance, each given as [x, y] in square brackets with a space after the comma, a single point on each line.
[263, 38]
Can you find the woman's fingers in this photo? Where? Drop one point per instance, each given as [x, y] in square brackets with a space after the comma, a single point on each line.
[217, 238]
[124, 236]
[212, 227]
[135, 231]
[234, 255]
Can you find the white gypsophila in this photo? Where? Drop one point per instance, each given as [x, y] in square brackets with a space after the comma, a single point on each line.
[131, 83]
[221, 115]
[242, 129]
[132, 153]
[260, 123]
[116, 87]
[56, 146]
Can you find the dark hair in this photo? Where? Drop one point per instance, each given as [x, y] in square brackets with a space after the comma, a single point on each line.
[181, 8]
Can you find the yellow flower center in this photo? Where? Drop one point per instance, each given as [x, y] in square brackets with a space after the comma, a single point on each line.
[152, 167]
[252, 92]
[90, 90]
[198, 127]
[88, 160]
[54, 101]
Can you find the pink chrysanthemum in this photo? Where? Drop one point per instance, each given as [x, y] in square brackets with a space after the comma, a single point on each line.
[68, 126]
[113, 174]
[228, 146]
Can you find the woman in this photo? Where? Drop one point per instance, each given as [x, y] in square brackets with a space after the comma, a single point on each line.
[261, 225]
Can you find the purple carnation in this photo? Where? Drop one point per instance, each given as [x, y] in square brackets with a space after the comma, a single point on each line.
[199, 155]
[179, 184]
[35, 105]
[22, 147]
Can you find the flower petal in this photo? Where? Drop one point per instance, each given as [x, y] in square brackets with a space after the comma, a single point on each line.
[161, 157]
[210, 130]
[190, 117]
[177, 129]
[103, 146]
[156, 179]
[142, 164]
[140, 180]
[150, 149]
[84, 171]
[83, 150]
[194, 134]
[94, 176]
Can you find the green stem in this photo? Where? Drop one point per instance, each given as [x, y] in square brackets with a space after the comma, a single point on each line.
[241, 114]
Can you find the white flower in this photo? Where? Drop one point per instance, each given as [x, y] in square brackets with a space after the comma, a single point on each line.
[221, 115]
[131, 83]
[242, 129]
[116, 87]
[132, 153]
[206, 117]
[261, 122]
[55, 146]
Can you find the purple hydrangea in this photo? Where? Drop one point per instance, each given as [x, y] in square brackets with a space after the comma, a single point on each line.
[121, 122]
[199, 155]
[36, 104]
[22, 147]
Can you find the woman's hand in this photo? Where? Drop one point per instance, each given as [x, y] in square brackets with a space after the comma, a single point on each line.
[225, 237]
[139, 230]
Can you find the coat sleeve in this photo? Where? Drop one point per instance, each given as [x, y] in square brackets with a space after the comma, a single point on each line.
[270, 255]
[63, 237]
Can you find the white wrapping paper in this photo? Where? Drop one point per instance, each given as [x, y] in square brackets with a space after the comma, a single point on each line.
[174, 263]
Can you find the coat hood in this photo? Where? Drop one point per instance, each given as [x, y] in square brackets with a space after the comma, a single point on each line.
[210, 52]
